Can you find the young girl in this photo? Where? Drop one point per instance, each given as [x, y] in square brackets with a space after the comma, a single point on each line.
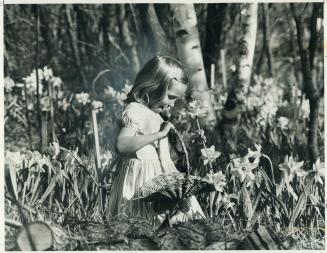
[142, 142]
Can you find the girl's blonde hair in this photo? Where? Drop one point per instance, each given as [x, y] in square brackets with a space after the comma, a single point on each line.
[154, 78]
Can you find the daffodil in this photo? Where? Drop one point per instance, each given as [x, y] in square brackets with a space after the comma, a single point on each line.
[14, 158]
[110, 92]
[8, 83]
[56, 82]
[283, 122]
[242, 168]
[209, 154]
[319, 169]
[45, 104]
[47, 73]
[31, 84]
[255, 154]
[121, 96]
[83, 98]
[56, 149]
[219, 180]
[97, 105]
[106, 158]
[195, 109]
[291, 168]
[64, 104]
[233, 68]
[127, 88]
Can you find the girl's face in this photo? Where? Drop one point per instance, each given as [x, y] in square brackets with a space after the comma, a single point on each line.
[175, 90]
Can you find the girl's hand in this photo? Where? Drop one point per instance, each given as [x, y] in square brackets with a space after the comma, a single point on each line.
[165, 127]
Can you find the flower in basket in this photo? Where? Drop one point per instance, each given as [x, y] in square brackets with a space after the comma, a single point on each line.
[219, 180]
[290, 168]
[195, 109]
[209, 154]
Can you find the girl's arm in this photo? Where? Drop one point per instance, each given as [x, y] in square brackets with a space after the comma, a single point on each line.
[127, 142]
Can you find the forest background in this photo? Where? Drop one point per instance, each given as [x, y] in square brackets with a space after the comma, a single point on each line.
[61, 121]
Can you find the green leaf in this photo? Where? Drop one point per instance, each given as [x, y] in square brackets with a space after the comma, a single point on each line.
[77, 192]
[11, 178]
[35, 188]
[247, 205]
[300, 205]
[280, 186]
[49, 189]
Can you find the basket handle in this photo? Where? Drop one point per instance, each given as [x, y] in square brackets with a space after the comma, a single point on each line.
[184, 150]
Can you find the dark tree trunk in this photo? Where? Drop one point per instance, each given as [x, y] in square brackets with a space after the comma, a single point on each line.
[71, 25]
[293, 48]
[314, 35]
[167, 25]
[127, 38]
[259, 63]
[310, 87]
[81, 32]
[46, 32]
[39, 117]
[104, 23]
[7, 63]
[313, 130]
[154, 39]
[266, 40]
[214, 30]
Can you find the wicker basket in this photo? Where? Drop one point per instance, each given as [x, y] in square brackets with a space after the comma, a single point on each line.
[171, 191]
[174, 186]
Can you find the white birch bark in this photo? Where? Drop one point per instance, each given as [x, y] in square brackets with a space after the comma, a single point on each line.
[189, 53]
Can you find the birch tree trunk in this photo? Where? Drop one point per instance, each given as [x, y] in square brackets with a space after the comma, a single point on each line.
[189, 53]
[242, 76]
[311, 90]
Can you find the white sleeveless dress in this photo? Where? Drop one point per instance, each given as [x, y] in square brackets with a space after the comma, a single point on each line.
[136, 169]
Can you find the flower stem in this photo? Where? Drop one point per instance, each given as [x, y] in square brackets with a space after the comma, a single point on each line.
[210, 169]
[205, 147]
[271, 167]
[185, 151]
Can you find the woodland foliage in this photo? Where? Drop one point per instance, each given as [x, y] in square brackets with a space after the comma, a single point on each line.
[64, 61]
